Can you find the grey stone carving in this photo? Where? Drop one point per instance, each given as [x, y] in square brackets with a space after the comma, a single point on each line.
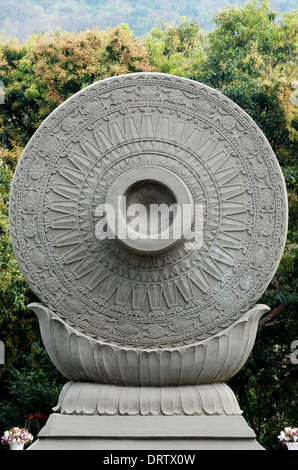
[128, 319]
[139, 122]
[81, 358]
[112, 400]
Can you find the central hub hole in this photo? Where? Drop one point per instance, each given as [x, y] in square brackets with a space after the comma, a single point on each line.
[147, 207]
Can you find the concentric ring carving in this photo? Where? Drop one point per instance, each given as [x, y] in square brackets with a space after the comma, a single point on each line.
[135, 121]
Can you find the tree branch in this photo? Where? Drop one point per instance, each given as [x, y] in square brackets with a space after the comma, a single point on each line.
[271, 315]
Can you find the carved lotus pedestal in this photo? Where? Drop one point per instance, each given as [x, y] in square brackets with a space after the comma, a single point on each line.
[121, 398]
[148, 317]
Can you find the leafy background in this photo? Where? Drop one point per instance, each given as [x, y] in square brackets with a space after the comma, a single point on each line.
[248, 53]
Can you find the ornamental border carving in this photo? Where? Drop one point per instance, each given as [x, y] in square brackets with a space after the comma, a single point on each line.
[183, 302]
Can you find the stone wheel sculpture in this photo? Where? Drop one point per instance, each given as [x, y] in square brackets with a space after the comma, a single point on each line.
[159, 312]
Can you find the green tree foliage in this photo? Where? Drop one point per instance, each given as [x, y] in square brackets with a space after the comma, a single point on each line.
[250, 56]
[14, 291]
[48, 68]
[30, 385]
[176, 50]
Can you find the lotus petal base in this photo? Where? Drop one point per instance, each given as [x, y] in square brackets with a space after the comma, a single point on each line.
[148, 399]
[83, 359]
[91, 399]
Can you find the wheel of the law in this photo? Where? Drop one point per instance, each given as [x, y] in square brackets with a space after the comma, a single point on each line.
[118, 275]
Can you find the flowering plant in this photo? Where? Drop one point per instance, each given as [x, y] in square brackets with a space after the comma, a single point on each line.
[17, 435]
[288, 435]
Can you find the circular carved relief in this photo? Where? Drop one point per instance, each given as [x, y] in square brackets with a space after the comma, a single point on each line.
[151, 123]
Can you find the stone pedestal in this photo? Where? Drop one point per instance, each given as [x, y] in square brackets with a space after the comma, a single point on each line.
[112, 417]
[132, 433]
[192, 408]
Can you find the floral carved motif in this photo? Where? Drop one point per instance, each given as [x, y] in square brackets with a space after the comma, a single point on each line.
[144, 121]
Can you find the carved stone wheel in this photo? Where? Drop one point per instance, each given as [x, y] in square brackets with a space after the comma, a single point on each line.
[148, 135]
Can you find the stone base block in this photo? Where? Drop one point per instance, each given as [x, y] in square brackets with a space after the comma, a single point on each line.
[75, 432]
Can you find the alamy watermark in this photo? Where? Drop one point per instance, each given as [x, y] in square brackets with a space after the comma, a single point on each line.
[2, 92]
[152, 222]
[294, 354]
[2, 353]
